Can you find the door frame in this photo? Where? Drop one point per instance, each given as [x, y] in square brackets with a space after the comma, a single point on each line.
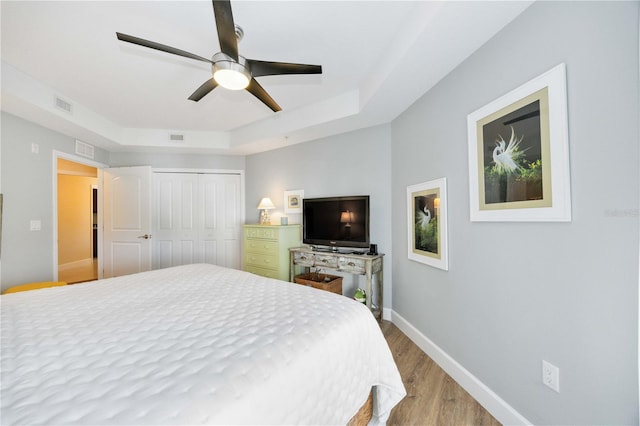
[54, 179]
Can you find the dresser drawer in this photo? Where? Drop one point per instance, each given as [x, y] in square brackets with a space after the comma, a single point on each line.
[349, 264]
[261, 260]
[269, 273]
[328, 261]
[261, 246]
[303, 258]
[266, 233]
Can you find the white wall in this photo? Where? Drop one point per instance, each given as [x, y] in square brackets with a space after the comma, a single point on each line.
[518, 293]
[355, 163]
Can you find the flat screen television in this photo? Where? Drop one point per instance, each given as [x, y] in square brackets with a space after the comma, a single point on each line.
[336, 221]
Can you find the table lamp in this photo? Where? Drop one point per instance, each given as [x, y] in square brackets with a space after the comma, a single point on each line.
[265, 204]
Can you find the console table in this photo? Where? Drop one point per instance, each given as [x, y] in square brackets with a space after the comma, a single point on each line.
[357, 264]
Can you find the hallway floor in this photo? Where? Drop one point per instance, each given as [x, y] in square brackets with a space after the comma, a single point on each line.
[81, 273]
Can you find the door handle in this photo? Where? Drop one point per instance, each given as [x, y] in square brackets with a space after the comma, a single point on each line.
[145, 236]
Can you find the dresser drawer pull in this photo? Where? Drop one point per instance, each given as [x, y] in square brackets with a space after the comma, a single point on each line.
[351, 264]
[303, 258]
[324, 260]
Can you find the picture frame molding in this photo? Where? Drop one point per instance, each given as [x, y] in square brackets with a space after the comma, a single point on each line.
[559, 209]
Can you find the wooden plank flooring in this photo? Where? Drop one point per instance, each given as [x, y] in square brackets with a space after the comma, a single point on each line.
[433, 398]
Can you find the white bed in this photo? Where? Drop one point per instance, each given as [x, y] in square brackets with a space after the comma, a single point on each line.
[195, 344]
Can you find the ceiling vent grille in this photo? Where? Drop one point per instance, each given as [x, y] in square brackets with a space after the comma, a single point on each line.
[63, 105]
[84, 149]
[176, 137]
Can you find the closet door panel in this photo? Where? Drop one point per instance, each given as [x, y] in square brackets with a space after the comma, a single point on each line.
[220, 219]
[197, 218]
[175, 236]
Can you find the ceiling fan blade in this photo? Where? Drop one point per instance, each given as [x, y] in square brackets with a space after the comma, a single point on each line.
[226, 28]
[158, 46]
[262, 68]
[203, 90]
[258, 91]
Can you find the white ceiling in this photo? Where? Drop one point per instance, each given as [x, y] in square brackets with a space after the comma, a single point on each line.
[378, 57]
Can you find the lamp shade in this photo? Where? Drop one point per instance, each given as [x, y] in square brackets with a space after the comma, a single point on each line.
[346, 217]
[266, 204]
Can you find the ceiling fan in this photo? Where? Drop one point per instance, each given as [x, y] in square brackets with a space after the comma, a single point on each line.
[231, 70]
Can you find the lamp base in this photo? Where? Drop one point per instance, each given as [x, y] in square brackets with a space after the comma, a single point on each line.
[264, 218]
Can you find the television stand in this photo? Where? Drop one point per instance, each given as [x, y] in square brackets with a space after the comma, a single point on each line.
[356, 264]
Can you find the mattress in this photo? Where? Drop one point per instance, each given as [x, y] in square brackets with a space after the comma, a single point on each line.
[194, 344]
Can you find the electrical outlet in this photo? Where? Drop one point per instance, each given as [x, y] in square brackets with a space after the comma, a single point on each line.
[551, 376]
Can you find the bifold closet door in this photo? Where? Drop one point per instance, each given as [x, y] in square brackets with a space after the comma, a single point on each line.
[196, 219]
[219, 224]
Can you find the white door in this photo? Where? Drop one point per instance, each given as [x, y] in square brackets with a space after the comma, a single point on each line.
[127, 220]
[220, 219]
[197, 218]
[175, 219]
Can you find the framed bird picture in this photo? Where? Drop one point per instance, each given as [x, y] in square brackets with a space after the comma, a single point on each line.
[427, 223]
[519, 154]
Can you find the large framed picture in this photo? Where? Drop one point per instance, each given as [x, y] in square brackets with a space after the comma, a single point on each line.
[293, 201]
[427, 223]
[519, 154]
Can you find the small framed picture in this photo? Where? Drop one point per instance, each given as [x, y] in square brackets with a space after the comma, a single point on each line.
[427, 223]
[293, 201]
[519, 154]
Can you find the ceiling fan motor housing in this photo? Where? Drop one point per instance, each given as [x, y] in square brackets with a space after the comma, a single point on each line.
[230, 74]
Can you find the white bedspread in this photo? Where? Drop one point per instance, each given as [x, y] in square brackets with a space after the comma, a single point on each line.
[196, 344]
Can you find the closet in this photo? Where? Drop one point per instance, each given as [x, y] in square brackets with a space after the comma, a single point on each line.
[197, 218]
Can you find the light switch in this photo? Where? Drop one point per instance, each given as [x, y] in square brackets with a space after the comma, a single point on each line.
[36, 225]
[35, 148]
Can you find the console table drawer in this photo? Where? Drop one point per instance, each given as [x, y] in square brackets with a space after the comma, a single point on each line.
[328, 261]
[303, 258]
[349, 264]
[261, 246]
[261, 260]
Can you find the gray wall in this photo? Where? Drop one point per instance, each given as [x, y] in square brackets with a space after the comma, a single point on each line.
[177, 161]
[355, 163]
[518, 293]
[28, 191]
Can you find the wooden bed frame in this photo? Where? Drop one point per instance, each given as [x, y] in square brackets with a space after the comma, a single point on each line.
[364, 414]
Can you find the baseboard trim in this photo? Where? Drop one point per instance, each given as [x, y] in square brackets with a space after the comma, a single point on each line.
[495, 405]
[387, 314]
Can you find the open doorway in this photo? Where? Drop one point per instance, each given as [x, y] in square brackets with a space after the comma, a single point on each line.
[77, 213]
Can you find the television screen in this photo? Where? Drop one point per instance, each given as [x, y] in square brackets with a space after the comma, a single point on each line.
[336, 221]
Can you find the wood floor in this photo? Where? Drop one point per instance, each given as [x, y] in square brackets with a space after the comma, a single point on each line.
[433, 398]
[82, 272]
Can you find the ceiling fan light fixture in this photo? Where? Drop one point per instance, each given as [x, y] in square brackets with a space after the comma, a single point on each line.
[231, 75]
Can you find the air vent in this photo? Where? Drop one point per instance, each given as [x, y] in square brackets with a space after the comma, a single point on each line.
[64, 105]
[176, 137]
[84, 149]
